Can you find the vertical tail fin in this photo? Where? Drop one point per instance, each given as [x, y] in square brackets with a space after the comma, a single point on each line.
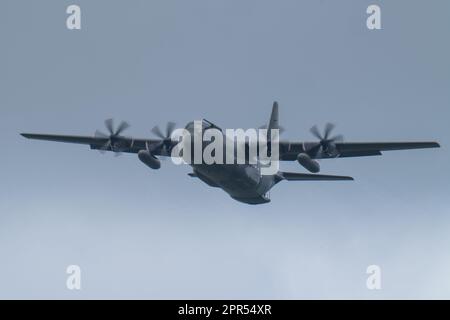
[273, 122]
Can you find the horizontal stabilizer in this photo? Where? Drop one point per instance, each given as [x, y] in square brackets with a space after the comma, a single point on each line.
[293, 176]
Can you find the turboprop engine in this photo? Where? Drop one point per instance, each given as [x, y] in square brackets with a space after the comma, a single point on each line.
[309, 164]
[150, 160]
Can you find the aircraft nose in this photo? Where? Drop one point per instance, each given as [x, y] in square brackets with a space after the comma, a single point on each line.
[191, 126]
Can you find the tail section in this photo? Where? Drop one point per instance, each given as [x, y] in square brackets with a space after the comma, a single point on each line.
[273, 122]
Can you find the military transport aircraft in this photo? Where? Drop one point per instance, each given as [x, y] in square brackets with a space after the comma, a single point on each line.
[243, 182]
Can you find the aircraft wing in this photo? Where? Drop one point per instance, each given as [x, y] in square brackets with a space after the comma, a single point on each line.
[289, 151]
[65, 138]
[349, 147]
[128, 145]
[361, 149]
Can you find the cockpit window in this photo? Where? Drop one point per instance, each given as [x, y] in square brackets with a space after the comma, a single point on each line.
[209, 125]
[205, 125]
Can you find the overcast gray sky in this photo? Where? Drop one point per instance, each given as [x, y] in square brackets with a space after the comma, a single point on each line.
[138, 233]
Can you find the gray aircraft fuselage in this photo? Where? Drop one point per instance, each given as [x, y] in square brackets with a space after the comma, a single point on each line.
[243, 182]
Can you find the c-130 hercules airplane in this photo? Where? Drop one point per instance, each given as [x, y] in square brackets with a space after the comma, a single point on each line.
[243, 182]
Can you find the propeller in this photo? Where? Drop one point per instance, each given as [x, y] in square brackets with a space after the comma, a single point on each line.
[166, 141]
[326, 145]
[113, 141]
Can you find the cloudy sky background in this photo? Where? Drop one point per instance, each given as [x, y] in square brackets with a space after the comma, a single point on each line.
[138, 233]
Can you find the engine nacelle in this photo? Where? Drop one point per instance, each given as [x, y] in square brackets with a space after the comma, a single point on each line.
[309, 164]
[150, 160]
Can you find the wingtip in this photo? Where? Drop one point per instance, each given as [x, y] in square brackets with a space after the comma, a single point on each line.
[432, 144]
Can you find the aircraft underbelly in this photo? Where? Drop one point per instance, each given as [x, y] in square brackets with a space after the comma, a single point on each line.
[239, 181]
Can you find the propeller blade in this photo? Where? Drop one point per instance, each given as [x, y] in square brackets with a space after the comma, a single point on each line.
[309, 146]
[101, 135]
[157, 131]
[316, 151]
[315, 132]
[112, 142]
[122, 126]
[105, 147]
[109, 123]
[328, 128]
[326, 147]
[169, 129]
[337, 138]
